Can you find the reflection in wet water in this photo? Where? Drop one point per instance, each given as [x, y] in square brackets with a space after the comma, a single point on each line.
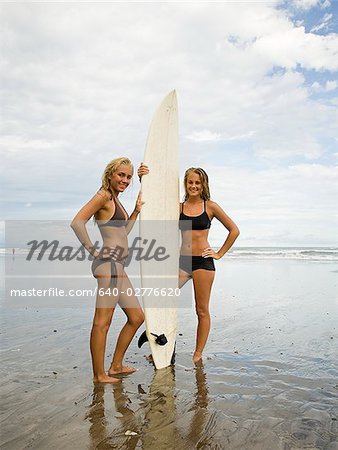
[155, 423]
[109, 428]
[96, 414]
[160, 412]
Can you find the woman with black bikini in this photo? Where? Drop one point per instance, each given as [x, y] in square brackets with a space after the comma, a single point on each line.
[108, 267]
[197, 257]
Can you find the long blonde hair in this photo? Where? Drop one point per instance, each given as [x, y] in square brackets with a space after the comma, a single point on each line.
[204, 180]
[111, 167]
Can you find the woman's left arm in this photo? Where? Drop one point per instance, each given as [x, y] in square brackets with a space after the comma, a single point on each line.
[229, 224]
[132, 218]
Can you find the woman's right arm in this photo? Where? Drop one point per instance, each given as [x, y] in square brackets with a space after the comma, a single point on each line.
[78, 224]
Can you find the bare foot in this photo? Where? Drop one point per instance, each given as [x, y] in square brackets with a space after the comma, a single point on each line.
[197, 357]
[105, 379]
[118, 370]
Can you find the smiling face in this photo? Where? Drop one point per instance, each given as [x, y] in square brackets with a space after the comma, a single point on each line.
[196, 184]
[193, 186]
[121, 178]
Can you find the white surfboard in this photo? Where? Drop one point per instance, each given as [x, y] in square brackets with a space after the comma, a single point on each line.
[159, 221]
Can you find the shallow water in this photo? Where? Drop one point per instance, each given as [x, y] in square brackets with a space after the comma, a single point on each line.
[269, 378]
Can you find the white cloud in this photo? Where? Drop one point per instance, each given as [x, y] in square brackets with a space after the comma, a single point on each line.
[325, 4]
[323, 24]
[18, 144]
[316, 87]
[282, 115]
[204, 136]
[296, 47]
[333, 101]
[330, 85]
[239, 137]
[319, 27]
[316, 172]
[290, 144]
[308, 4]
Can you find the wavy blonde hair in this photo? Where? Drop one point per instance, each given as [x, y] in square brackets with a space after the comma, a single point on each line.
[204, 180]
[111, 167]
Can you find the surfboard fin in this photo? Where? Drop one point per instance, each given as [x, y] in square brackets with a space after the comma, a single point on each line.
[142, 339]
[160, 339]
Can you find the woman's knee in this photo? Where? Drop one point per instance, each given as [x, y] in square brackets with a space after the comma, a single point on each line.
[202, 312]
[137, 318]
[101, 324]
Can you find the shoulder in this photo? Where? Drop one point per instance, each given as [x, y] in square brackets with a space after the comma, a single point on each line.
[104, 194]
[102, 199]
[213, 208]
[98, 202]
[211, 205]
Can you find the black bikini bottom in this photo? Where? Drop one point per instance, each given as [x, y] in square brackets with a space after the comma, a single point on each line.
[190, 263]
[113, 271]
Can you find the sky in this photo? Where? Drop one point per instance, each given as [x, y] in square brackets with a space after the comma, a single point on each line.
[257, 92]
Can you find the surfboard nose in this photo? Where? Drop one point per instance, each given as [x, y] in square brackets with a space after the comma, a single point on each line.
[172, 96]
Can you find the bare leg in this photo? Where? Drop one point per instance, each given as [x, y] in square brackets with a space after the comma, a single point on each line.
[135, 317]
[98, 337]
[105, 306]
[202, 280]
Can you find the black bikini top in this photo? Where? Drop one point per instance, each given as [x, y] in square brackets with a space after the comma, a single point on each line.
[118, 219]
[201, 222]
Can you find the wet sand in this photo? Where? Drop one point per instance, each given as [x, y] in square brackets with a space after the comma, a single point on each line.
[269, 379]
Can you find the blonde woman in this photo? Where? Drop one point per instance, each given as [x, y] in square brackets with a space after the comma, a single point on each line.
[108, 267]
[196, 256]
